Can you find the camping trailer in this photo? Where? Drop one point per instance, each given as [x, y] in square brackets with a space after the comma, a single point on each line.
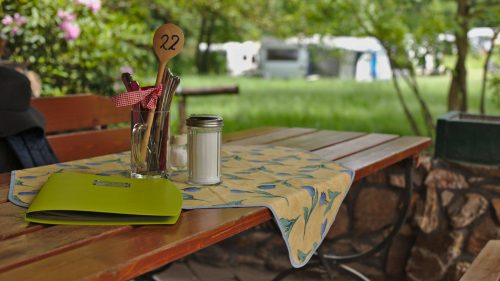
[279, 59]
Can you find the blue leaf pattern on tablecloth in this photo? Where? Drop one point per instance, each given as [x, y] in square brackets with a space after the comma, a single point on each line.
[312, 167]
[234, 177]
[301, 255]
[322, 199]
[310, 190]
[323, 228]
[28, 177]
[266, 186]
[332, 195]
[21, 183]
[306, 171]
[314, 200]
[240, 191]
[271, 182]
[28, 192]
[303, 176]
[192, 189]
[231, 203]
[287, 225]
[190, 197]
[270, 195]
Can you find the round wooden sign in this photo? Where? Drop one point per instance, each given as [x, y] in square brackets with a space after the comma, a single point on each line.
[168, 41]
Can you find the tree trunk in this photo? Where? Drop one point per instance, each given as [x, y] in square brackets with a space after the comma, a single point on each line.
[204, 63]
[406, 110]
[201, 36]
[399, 93]
[426, 113]
[485, 71]
[457, 94]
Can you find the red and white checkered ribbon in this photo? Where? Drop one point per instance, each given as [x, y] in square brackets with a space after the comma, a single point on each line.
[148, 97]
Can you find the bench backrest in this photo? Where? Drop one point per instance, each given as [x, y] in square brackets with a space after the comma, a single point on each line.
[76, 126]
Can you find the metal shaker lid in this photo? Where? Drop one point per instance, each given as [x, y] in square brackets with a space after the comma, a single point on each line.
[205, 121]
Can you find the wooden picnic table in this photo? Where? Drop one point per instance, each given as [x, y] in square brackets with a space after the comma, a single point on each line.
[31, 251]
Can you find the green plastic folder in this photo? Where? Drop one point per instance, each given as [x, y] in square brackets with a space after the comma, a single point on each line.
[84, 199]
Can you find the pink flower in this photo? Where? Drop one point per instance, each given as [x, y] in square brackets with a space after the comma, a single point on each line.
[20, 20]
[71, 30]
[15, 30]
[14, 22]
[65, 15]
[7, 20]
[93, 5]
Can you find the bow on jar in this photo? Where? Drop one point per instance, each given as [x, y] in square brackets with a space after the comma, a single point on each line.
[148, 97]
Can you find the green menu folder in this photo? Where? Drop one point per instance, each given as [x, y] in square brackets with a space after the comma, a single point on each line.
[84, 199]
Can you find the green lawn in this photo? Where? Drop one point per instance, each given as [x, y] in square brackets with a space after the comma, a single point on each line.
[323, 104]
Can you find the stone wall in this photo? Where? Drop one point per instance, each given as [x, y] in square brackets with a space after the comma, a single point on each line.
[455, 210]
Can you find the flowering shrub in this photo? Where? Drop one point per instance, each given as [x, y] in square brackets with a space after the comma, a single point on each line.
[68, 25]
[14, 23]
[76, 46]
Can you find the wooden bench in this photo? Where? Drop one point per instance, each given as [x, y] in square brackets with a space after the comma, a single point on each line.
[77, 126]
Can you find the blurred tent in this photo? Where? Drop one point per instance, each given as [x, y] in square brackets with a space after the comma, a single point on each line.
[479, 38]
[357, 58]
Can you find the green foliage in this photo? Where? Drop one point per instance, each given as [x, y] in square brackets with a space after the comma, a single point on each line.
[324, 104]
[108, 41]
[495, 88]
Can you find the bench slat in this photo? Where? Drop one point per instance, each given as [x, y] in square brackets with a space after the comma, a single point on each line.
[79, 111]
[85, 144]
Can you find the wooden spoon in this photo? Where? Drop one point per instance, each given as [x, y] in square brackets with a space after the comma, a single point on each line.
[168, 41]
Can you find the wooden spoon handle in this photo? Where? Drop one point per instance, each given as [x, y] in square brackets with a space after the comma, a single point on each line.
[151, 115]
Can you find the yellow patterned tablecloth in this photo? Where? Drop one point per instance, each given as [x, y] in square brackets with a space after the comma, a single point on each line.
[303, 191]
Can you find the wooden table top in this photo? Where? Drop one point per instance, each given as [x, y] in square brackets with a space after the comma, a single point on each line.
[31, 251]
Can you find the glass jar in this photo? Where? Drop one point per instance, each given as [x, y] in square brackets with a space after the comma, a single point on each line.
[151, 160]
[204, 149]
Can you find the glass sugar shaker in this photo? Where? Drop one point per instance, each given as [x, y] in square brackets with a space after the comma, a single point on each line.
[204, 149]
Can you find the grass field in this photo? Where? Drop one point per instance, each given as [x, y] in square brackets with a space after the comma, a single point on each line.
[324, 104]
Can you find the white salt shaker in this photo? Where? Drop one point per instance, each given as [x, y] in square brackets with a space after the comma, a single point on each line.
[178, 153]
[204, 149]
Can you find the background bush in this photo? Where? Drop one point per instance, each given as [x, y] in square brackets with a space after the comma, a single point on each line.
[110, 40]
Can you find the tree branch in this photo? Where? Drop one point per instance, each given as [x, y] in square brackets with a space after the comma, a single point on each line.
[485, 70]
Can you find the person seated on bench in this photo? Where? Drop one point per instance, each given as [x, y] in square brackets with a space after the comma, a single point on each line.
[22, 138]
